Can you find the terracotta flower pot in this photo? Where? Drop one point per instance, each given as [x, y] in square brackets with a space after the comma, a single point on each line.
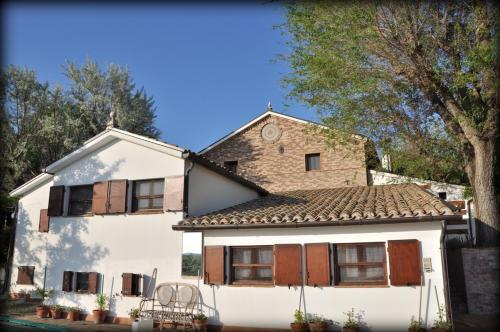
[200, 325]
[42, 311]
[416, 329]
[299, 327]
[438, 329]
[74, 315]
[56, 313]
[99, 316]
[350, 329]
[318, 327]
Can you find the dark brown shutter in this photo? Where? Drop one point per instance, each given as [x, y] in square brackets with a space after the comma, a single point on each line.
[67, 281]
[404, 259]
[56, 201]
[288, 265]
[318, 264]
[336, 269]
[174, 193]
[43, 225]
[213, 263]
[100, 198]
[127, 279]
[93, 282]
[117, 196]
[25, 275]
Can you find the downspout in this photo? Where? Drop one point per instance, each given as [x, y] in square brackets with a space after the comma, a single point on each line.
[186, 188]
[447, 296]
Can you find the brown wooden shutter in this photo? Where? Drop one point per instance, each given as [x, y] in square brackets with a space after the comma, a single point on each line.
[318, 264]
[93, 282]
[117, 196]
[67, 281]
[127, 279]
[43, 225]
[100, 197]
[25, 275]
[336, 269]
[288, 265]
[404, 259]
[213, 262]
[56, 201]
[174, 193]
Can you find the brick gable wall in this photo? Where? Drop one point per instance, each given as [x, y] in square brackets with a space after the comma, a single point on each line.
[263, 163]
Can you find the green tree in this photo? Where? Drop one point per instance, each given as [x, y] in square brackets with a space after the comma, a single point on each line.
[416, 76]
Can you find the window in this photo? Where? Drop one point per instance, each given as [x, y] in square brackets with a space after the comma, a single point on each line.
[191, 253]
[312, 162]
[442, 195]
[82, 282]
[148, 195]
[80, 200]
[252, 265]
[361, 264]
[231, 165]
[25, 275]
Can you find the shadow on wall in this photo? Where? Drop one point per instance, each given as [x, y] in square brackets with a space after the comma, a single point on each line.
[64, 247]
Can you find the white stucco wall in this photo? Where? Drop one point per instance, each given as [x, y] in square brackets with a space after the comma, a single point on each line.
[209, 191]
[384, 308]
[453, 191]
[109, 244]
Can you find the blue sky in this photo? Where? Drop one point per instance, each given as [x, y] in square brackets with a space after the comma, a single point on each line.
[209, 68]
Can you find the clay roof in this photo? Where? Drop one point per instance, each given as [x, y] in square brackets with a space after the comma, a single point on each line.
[335, 206]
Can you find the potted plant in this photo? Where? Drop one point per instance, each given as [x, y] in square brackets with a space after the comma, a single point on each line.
[74, 313]
[441, 324]
[200, 322]
[134, 313]
[299, 324]
[42, 310]
[56, 311]
[416, 326]
[350, 325]
[318, 323]
[100, 313]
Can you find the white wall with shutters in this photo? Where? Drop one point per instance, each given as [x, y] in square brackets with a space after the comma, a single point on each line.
[385, 308]
[107, 244]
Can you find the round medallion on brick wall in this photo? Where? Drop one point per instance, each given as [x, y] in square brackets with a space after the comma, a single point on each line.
[270, 132]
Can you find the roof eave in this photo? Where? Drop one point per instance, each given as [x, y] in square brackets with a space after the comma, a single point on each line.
[378, 221]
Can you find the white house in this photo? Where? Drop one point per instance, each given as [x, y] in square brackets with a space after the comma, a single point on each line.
[122, 203]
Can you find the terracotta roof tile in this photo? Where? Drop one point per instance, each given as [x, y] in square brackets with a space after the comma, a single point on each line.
[408, 202]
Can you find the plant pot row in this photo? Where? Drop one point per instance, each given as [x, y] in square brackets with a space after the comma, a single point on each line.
[43, 311]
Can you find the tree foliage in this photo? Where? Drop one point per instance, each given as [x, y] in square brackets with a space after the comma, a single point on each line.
[419, 78]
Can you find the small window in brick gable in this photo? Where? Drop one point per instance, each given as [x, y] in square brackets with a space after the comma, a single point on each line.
[231, 165]
[312, 162]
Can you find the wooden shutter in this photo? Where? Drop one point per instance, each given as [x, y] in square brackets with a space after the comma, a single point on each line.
[318, 264]
[404, 259]
[130, 284]
[67, 281]
[25, 275]
[288, 265]
[43, 225]
[56, 201]
[174, 193]
[213, 263]
[117, 196]
[93, 282]
[100, 197]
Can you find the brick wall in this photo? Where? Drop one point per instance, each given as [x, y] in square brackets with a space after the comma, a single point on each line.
[482, 279]
[262, 162]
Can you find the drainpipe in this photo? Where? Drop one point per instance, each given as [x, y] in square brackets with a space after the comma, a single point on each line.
[186, 188]
[446, 285]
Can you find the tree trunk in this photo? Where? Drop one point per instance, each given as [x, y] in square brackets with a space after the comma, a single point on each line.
[486, 206]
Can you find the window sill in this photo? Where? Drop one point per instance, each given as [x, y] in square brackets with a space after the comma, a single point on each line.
[361, 286]
[146, 212]
[90, 214]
